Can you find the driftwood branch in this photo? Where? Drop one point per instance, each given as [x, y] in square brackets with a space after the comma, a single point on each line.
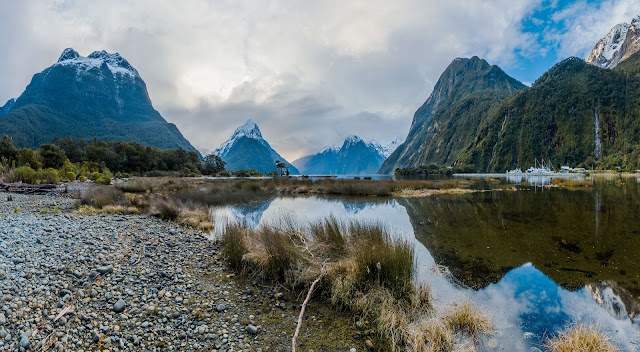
[294, 340]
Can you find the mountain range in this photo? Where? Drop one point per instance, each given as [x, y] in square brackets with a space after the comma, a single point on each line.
[579, 113]
[447, 122]
[248, 150]
[353, 157]
[622, 41]
[100, 96]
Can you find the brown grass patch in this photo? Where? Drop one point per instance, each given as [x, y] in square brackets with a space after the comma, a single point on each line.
[583, 339]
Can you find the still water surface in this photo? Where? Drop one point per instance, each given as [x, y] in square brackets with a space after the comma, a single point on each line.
[536, 260]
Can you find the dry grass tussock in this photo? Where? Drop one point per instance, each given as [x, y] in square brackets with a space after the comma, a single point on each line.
[581, 338]
[363, 269]
[571, 182]
[464, 318]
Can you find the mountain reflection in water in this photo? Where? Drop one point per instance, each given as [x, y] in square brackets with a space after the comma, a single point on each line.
[534, 261]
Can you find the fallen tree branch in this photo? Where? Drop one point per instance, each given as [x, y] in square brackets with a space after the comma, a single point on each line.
[304, 305]
[294, 340]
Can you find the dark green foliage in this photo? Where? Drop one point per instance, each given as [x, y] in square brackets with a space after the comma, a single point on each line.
[130, 157]
[447, 122]
[433, 169]
[28, 157]
[8, 151]
[52, 156]
[212, 165]
[554, 120]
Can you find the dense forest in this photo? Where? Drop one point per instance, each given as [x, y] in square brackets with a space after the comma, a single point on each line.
[99, 161]
[560, 119]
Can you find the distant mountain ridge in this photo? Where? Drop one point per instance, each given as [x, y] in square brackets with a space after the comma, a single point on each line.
[618, 45]
[248, 150]
[354, 157]
[448, 121]
[575, 114]
[100, 96]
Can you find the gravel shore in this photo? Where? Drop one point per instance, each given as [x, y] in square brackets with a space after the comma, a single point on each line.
[74, 282]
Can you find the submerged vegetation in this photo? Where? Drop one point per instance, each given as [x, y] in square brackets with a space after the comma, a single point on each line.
[363, 268]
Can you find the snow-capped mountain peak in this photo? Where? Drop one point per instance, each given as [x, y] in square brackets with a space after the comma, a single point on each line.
[249, 129]
[622, 41]
[331, 148]
[352, 139]
[386, 150]
[68, 54]
[247, 149]
[114, 62]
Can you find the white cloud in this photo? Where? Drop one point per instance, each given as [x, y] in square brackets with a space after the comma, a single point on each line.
[309, 72]
[584, 23]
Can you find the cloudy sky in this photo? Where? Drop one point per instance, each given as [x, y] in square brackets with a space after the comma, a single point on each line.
[309, 72]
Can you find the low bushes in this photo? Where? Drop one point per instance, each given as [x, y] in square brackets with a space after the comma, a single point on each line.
[102, 196]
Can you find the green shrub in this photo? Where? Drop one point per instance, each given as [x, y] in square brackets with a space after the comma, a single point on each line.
[103, 179]
[49, 175]
[23, 174]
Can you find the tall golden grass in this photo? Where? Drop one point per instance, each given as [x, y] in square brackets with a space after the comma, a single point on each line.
[583, 339]
[364, 269]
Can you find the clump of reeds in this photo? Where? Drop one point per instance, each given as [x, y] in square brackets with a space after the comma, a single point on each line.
[137, 186]
[363, 269]
[581, 338]
[464, 318]
[101, 196]
[431, 335]
[167, 209]
[234, 245]
[329, 236]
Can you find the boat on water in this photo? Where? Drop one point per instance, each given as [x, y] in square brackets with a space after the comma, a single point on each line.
[514, 171]
[540, 169]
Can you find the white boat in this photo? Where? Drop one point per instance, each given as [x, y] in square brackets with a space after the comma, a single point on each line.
[515, 171]
[540, 169]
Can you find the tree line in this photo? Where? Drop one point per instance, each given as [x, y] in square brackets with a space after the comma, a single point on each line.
[73, 159]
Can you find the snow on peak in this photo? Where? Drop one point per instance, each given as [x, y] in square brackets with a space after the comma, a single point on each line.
[622, 41]
[249, 129]
[68, 54]
[114, 62]
[391, 147]
[351, 139]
